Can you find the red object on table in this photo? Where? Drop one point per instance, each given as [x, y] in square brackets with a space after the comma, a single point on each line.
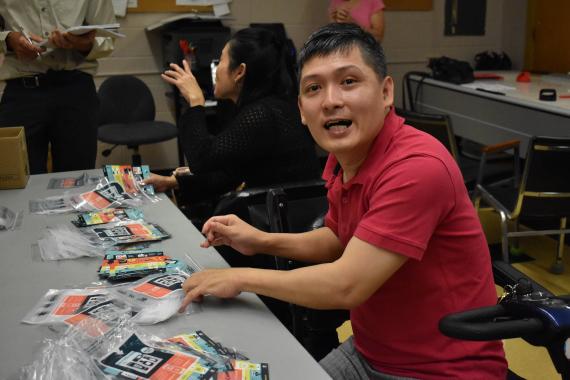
[184, 46]
[523, 77]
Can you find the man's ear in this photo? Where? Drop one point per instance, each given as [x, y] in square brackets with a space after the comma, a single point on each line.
[240, 72]
[303, 121]
[388, 91]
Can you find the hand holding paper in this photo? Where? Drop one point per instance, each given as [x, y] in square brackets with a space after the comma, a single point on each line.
[82, 43]
[80, 37]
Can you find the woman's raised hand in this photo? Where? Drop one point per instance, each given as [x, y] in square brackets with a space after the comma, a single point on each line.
[186, 83]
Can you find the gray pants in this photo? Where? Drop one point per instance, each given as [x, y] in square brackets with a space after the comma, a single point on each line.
[346, 363]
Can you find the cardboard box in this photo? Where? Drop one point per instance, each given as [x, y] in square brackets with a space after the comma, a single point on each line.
[14, 168]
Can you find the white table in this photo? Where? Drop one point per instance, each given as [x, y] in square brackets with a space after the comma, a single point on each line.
[492, 118]
[244, 323]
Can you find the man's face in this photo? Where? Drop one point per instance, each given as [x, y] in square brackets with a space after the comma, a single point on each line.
[344, 103]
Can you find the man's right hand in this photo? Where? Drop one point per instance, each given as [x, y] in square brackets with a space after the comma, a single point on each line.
[23, 49]
[234, 232]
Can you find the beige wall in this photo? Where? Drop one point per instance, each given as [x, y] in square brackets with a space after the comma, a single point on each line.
[410, 39]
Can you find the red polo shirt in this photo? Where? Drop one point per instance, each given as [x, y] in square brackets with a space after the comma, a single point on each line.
[408, 197]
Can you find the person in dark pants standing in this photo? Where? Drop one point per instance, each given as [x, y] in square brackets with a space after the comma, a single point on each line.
[50, 89]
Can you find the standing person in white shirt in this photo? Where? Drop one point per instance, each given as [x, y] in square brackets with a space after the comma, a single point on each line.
[51, 92]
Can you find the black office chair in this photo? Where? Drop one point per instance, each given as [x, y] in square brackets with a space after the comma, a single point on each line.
[292, 207]
[293, 210]
[126, 116]
[251, 206]
[541, 195]
[490, 166]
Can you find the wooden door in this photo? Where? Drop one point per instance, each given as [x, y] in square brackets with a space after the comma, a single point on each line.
[548, 36]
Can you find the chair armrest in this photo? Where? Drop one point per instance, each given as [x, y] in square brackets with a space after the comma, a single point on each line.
[501, 147]
[511, 144]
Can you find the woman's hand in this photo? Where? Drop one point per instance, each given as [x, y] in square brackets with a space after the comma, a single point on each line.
[332, 15]
[234, 232]
[186, 83]
[343, 15]
[161, 183]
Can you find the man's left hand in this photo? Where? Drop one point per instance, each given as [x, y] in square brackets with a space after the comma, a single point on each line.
[222, 283]
[82, 43]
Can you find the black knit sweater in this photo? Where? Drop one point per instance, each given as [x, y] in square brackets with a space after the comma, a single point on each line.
[264, 144]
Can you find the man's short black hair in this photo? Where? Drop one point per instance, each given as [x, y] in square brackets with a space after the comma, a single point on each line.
[342, 38]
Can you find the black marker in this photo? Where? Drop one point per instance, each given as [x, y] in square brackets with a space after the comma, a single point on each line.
[490, 91]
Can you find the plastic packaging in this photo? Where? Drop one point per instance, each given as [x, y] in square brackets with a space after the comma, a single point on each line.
[10, 220]
[130, 179]
[66, 242]
[62, 359]
[109, 192]
[61, 305]
[156, 298]
[66, 183]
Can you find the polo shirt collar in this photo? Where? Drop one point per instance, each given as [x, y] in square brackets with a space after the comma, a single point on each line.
[381, 143]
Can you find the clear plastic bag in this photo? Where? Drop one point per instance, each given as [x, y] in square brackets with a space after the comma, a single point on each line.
[156, 298]
[130, 179]
[66, 183]
[10, 220]
[66, 242]
[106, 194]
[62, 359]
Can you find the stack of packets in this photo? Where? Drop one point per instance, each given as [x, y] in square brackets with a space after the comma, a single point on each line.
[98, 231]
[119, 188]
[137, 263]
[129, 177]
[131, 231]
[189, 356]
[110, 215]
[123, 226]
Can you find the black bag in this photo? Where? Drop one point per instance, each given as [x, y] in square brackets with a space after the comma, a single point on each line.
[451, 70]
[490, 60]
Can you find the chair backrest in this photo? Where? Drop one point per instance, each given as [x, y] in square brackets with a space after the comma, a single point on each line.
[409, 97]
[125, 99]
[437, 125]
[306, 199]
[545, 184]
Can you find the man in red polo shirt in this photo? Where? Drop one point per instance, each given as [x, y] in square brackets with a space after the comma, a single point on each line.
[402, 245]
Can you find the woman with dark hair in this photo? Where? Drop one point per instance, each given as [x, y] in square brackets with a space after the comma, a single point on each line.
[263, 144]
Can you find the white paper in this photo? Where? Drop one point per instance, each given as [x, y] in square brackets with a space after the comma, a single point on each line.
[107, 30]
[120, 7]
[221, 10]
[133, 4]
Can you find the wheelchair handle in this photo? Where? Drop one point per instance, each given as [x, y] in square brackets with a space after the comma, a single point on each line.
[488, 323]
